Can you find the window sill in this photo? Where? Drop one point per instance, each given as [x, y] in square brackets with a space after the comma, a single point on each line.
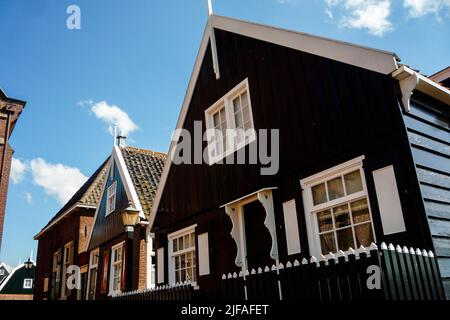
[214, 160]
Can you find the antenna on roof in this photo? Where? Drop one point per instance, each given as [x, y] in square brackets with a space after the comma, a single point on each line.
[115, 136]
[212, 40]
[210, 9]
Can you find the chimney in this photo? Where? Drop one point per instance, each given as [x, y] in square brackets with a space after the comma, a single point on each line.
[121, 139]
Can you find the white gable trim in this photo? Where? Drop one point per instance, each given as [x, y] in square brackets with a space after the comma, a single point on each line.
[117, 158]
[62, 216]
[360, 56]
[11, 275]
[126, 181]
[367, 58]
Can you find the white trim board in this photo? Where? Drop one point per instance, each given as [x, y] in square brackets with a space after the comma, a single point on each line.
[62, 216]
[130, 190]
[376, 60]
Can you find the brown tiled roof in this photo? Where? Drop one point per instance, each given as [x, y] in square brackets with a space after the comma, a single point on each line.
[145, 168]
[88, 194]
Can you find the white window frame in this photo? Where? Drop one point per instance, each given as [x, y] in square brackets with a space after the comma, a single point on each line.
[93, 264]
[65, 264]
[227, 102]
[116, 248]
[171, 256]
[110, 193]
[311, 210]
[28, 286]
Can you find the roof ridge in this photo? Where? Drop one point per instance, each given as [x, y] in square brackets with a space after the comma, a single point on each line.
[141, 150]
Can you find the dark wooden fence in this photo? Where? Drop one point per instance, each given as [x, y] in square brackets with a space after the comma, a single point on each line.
[388, 273]
[178, 292]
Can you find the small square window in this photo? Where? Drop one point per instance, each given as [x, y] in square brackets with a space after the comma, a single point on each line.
[28, 283]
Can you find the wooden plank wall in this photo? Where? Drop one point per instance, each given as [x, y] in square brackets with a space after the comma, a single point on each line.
[428, 132]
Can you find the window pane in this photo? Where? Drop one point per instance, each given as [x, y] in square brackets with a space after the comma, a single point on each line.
[327, 243]
[216, 119]
[353, 182]
[175, 245]
[325, 221]
[238, 120]
[341, 216]
[363, 234]
[236, 105]
[183, 275]
[360, 211]
[244, 99]
[183, 261]
[246, 114]
[335, 188]
[319, 194]
[345, 239]
[180, 244]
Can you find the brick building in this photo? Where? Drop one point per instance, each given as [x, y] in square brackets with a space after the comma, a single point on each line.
[10, 110]
[63, 242]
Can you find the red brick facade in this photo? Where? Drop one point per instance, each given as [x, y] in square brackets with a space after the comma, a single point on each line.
[10, 110]
[66, 231]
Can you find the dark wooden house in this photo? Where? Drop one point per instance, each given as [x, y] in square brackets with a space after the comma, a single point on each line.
[63, 242]
[363, 156]
[10, 110]
[19, 284]
[121, 260]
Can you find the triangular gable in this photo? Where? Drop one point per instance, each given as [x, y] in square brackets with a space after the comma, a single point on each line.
[117, 171]
[371, 59]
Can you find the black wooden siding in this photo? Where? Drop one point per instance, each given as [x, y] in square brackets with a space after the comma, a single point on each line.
[327, 112]
[428, 132]
[108, 227]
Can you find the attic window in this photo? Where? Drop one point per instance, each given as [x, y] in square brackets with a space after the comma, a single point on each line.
[28, 283]
[111, 198]
[229, 123]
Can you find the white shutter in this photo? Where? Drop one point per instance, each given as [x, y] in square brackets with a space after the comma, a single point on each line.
[291, 227]
[160, 264]
[388, 200]
[203, 254]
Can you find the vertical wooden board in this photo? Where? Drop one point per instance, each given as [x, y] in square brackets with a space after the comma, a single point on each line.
[203, 254]
[291, 227]
[160, 265]
[389, 200]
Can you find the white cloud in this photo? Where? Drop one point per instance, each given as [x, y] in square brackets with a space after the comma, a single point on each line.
[29, 197]
[18, 170]
[87, 102]
[114, 116]
[419, 8]
[372, 15]
[58, 180]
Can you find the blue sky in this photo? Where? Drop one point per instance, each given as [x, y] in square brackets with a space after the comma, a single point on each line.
[130, 64]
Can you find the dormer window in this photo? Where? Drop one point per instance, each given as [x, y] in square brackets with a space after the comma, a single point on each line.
[111, 198]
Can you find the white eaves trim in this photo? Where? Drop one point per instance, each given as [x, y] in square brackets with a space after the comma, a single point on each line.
[376, 60]
[62, 216]
[411, 80]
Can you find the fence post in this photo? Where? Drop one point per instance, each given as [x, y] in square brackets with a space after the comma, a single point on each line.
[423, 274]
[436, 276]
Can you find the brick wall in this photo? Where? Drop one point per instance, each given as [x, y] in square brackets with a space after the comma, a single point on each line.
[14, 108]
[4, 185]
[142, 262]
[84, 230]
